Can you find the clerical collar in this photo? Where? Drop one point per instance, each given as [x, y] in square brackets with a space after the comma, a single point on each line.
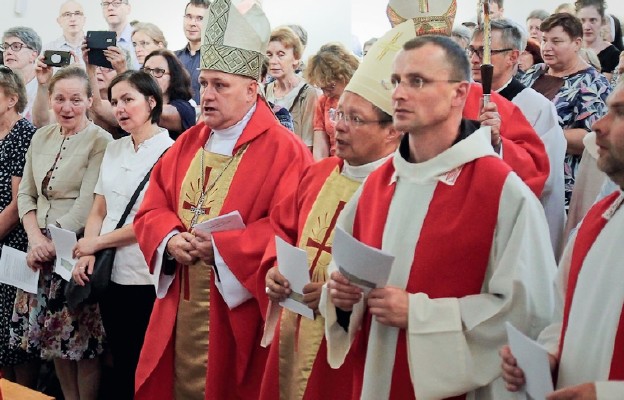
[466, 128]
[222, 141]
[361, 172]
[511, 89]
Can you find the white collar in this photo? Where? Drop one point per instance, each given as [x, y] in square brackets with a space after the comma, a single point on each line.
[445, 167]
[222, 141]
[361, 172]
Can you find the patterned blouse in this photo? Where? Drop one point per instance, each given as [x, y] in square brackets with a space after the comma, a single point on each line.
[580, 102]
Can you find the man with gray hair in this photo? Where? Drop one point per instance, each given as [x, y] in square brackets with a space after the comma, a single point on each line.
[116, 14]
[21, 46]
[508, 41]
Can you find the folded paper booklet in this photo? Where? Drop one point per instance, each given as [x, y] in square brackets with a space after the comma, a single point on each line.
[64, 243]
[226, 222]
[533, 359]
[364, 266]
[15, 272]
[293, 264]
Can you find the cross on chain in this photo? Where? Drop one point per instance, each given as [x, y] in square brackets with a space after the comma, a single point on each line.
[322, 246]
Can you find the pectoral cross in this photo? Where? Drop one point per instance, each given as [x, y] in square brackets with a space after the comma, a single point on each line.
[322, 245]
[423, 5]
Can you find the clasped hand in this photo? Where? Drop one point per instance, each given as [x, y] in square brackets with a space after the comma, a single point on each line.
[186, 248]
[278, 289]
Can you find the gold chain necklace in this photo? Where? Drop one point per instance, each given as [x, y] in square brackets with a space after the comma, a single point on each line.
[198, 210]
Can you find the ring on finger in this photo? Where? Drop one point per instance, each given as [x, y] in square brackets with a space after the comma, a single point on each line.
[267, 290]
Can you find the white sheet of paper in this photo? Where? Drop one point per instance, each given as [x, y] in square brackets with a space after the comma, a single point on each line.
[365, 266]
[232, 291]
[226, 222]
[15, 272]
[533, 359]
[292, 262]
[64, 242]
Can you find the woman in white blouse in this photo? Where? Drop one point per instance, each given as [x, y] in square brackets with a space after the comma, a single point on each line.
[137, 104]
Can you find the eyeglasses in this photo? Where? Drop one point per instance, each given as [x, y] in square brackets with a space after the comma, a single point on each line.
[329, 87]
[142, 44]
[15, 46]
[196, 18]
[76, 102]
[155, 72]
[72, 14]
[354, 120]
[413, 82]
[115, 3]
[479, 51]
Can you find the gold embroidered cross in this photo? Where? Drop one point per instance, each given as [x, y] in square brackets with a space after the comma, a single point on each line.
[390, 46]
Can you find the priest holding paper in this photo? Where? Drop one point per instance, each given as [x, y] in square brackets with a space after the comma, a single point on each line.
[470, 242]
[365, 139]
[586, 340]
[203, 339]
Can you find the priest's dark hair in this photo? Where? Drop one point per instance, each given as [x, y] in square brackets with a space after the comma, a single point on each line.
[144, 84]
[197, 3]
[455, 55]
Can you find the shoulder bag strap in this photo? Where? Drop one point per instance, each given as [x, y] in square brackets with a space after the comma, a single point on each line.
[136, 193]
[303, 88]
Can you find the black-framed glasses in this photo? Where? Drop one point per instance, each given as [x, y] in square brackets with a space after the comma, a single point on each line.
[15, 46]
[354, 120]
[479, 51]
[115, 3]
[155, 72]
[413, 82]
[72, 14]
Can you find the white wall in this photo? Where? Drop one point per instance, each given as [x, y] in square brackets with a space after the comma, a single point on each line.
[325, 20]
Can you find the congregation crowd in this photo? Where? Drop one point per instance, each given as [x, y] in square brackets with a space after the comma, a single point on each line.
[497, 207]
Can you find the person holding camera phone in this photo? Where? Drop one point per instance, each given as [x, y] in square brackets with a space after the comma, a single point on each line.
[71, 19]
[116, 14]
[137, 103]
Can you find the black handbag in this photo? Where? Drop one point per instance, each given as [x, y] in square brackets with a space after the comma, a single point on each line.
[94, 289]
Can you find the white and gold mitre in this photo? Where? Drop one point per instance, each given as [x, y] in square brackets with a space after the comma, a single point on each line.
[235, 43]
[430, 17]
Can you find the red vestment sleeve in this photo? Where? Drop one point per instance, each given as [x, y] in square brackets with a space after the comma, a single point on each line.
[522, 148]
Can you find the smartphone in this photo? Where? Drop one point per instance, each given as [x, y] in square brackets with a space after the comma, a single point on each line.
[97, 42]
[55, 58]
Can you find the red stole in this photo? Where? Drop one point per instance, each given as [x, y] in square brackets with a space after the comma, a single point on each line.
[590, 228]
[452, 251]
[523, 149]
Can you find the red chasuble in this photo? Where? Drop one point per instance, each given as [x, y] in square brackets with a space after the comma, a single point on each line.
[269, 169]
[523, 149]
[297, 367]
[590, 228]
[452, 251]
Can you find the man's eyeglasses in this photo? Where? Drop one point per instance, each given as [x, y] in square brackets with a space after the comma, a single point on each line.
[68, 14]
[15, 46]
[115, 4]
[354, 120]
[479, 51]
[197, 18]
[142, 44]
[413, 82]
[155, 72]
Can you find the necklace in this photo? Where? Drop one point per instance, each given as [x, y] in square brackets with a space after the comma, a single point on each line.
[198, 210]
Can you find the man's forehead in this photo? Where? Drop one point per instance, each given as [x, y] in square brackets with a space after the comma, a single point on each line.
[350, 100]
[70, 6]
[195, 10]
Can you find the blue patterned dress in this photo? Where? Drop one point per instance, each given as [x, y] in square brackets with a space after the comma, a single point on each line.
[580, 102]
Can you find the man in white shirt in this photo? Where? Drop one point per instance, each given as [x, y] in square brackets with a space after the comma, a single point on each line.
[116, 14]
[71, 19]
